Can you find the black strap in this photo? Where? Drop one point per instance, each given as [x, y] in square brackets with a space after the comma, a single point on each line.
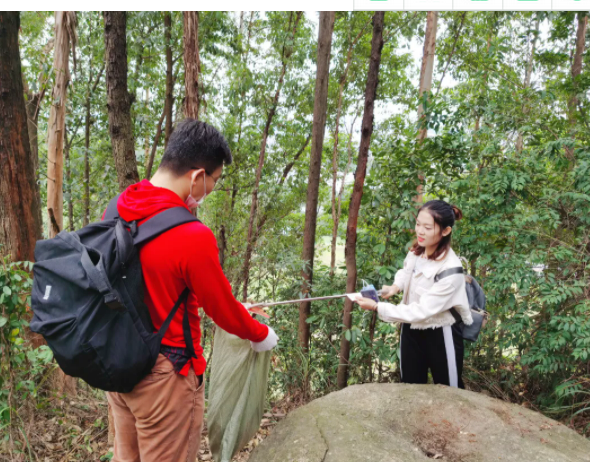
[456, 315]
[186, 328]
[181, 299]
[95, 272]
[447, 273]
[163, 222]
[112, 212]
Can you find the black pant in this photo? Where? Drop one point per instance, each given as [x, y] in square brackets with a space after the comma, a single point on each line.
[440, 350]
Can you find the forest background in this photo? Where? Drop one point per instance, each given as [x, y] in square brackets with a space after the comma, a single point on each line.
[340, 124]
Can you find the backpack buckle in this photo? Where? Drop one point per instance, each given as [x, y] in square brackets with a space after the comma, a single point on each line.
[132, 227]
[113, 302]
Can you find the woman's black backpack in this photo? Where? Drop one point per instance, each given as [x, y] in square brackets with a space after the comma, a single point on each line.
[88, 303]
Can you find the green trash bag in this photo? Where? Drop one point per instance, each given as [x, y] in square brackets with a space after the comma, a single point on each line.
[237, 394]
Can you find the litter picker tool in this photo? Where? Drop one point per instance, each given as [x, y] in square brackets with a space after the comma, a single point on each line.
[368, 291]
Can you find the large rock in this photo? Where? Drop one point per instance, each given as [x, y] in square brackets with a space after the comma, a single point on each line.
[408, 423]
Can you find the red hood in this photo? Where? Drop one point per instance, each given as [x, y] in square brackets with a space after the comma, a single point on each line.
[144, 200]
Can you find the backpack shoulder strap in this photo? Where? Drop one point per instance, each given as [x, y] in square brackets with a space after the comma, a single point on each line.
[112, 212]
[162, 222]
[448, 272]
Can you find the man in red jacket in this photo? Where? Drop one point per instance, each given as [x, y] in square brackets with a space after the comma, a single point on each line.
[161, 419]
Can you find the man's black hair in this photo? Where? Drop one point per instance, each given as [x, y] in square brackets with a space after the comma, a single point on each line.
[195, 144]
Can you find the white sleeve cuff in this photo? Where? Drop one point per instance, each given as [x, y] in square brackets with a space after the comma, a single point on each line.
[268, 343]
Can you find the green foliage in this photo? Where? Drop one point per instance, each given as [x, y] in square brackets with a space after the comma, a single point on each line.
[23, 370]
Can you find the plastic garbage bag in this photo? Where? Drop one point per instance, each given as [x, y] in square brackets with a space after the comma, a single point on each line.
[237, 394]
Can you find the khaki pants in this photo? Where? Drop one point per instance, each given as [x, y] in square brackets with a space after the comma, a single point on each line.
[161, 419]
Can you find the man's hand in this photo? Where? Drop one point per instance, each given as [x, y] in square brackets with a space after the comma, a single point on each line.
[389, 291]
[367, 304]
[268, 343]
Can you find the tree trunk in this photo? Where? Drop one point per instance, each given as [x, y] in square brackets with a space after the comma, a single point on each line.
[169, 99]
[32, 104]
[118, 98]
[576, 71]
[335, 212]
[357, 193]
[69, 187]
[337, 203]
[427, 65]
[64, 38]
[32, 107]
[64, 24]
[19, 217]
[192, 64]
[86, 217]
[527, 82]
[485, 75]
[426, 82]
[326, 28]
[150, 163]
[254, 205]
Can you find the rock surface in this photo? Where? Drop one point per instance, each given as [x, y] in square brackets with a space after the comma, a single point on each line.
[411, 423]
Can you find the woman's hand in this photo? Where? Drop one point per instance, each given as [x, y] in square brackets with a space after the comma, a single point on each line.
[389, 291]
[367, 304]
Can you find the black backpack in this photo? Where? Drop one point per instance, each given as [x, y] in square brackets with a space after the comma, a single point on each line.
[88, 303]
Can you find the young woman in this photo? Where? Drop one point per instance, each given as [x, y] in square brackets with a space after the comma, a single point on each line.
[430, 338]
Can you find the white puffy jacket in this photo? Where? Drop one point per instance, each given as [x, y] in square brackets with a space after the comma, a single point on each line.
[428, 302]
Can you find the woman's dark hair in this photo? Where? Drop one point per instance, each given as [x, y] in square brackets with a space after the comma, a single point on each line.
[195, 144]
[444, 215]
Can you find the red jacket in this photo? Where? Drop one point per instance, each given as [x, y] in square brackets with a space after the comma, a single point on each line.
[185, 256]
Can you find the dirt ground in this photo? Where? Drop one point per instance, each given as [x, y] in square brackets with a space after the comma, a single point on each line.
[77, 430]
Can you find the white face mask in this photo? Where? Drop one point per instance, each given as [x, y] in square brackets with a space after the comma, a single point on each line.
[190, 201]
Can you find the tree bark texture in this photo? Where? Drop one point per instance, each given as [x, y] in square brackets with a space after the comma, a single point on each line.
[64, 37]
[192, 64]
[119, 99]
[19, 217]
[427, 64]
[357, 192]
[426, 72]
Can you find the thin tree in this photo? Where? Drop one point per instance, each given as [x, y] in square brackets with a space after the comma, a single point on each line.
[426, 72]
[357, 192]
[427, 67]
[118, 98]
[19, 218]
[286, 52]
[527, 81]
[192, 64]
[169, 97]
[33, 104]
[326, 29]
[336, 203]
[65, 37]
[576, 71]
[91, 86]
